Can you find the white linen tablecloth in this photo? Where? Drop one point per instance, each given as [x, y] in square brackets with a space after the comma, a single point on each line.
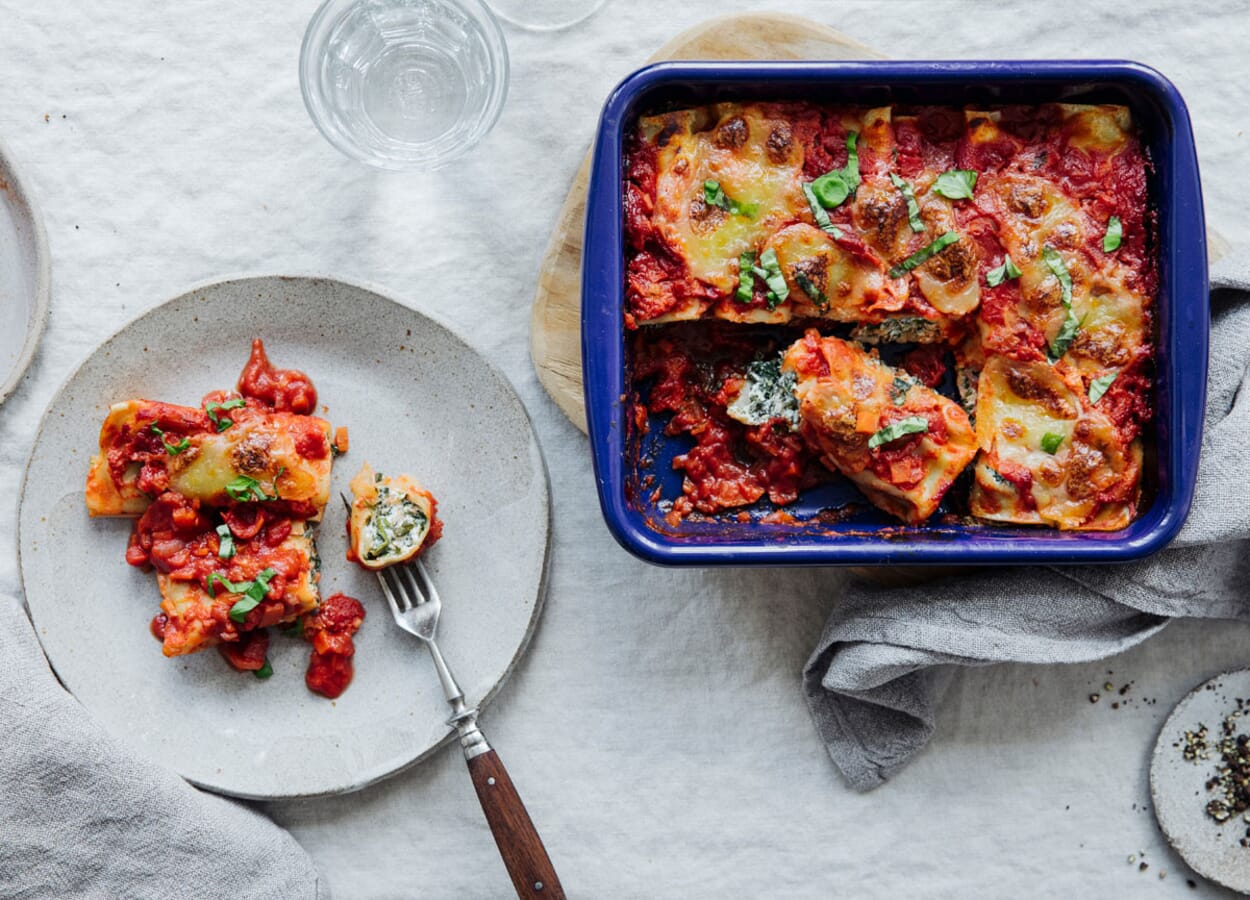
[656, 728]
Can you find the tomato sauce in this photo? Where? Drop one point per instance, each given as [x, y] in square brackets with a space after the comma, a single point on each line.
[284, 390]
[330, 631]
[693, 372]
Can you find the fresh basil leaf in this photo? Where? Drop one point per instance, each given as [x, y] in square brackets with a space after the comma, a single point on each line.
[899, 389]
[215, 578]
[746, 278]
[225, 549]
[246, 489]
[171, 449]
[851, 170]
[957, 184]
[245, 604]
[1099, 386]
[913, 208]
[264, 671]
[714, 195]
[832, 188]
[770, 270]
[924, 254]
[1059, 268]
[295, 629]
[809, 287]
[1006, 272]
[1067, 334]
[1115, 231]
[222, 423]
[818, 212]
[1051, 442]
[901, 428]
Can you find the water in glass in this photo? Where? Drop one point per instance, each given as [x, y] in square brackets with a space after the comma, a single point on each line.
[405, 80]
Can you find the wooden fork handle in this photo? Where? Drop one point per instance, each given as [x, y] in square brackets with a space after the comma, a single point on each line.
[522, 849]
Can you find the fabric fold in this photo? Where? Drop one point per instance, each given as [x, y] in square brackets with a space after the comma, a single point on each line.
[83, 816]
[869, 681]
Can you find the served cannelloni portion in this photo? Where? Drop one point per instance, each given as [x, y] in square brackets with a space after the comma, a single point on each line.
[226, 497]
[218, 582]
[231, 450]
[393, 518]
[901, 443]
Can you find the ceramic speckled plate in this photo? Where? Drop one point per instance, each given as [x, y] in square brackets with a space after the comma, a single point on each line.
[25, 277]
[1178, 786]
[415, 398]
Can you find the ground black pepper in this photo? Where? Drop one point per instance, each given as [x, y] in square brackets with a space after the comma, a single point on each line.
[1231, 782]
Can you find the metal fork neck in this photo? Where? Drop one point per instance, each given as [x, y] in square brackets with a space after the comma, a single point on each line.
[463, 718]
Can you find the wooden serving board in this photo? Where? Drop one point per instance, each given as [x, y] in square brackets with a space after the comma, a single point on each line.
[556, 323]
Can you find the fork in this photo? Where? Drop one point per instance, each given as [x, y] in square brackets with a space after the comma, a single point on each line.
[415, 604]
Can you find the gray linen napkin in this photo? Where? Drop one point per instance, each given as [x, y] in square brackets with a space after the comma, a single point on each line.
[869, 683]
[81, 816]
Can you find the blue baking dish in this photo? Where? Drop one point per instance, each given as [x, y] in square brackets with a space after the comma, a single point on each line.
[872, 538]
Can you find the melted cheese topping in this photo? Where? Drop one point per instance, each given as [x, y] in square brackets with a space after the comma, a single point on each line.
[1101, 129]
[391, 518]
[756, 161]
[1034, 214]
[851, 286]
[1018, 405]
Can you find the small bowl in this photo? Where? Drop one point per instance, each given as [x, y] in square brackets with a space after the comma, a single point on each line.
[401, 84]
[870, 539]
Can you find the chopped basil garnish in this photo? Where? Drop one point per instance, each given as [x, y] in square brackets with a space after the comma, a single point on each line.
[924, 254]
[1071, 324]
[1006, 272]
[1099, 386]
[1059, 268]
[264, 671]
[957, 184]
[899, 389]
[746, 278]
[1051, 442]
[901, 428]
[1115, 231]
[809, 287]
[295, 629]
[832, 188]
[171, 449]
[225, 549]
[818, 213]
[769, 269]
[222, 423]
[714, 195]
[1067, 334]
[913, 208]
[216, 578]
[246, 489]
[253, 593]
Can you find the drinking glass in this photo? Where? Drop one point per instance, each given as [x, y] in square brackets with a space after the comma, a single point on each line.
[404, 83]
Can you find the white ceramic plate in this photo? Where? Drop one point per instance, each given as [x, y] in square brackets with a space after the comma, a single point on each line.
[1178, 785]
[415, 398]
[25, 280]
